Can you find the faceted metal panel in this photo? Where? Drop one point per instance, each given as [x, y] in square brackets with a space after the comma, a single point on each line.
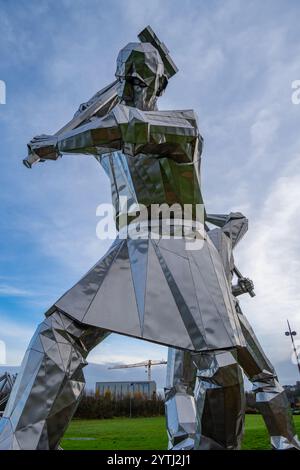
[88, 286]
[161, 307]
[113, 308]
[138, 258]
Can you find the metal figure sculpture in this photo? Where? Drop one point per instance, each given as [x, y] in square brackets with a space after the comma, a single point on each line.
[152, 287]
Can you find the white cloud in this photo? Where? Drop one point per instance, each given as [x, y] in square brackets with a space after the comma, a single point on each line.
[15, 329]
[8, 290]
[263, 131]
[271, 256]
[16, 336]
[119, 349]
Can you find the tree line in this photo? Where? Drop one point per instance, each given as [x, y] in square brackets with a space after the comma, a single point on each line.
[96, 406]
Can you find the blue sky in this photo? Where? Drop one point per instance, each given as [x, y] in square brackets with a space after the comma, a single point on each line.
[237, 61]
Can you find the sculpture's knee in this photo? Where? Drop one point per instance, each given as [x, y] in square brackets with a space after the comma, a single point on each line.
[218, 369]
[65, 330]
[265, 385]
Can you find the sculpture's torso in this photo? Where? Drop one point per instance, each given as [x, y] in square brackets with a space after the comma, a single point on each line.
[163, 174]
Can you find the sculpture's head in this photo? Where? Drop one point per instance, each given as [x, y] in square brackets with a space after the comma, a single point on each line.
[141, 75]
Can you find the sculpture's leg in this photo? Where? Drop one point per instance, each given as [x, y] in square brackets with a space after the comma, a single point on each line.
[271, 399]
[49, 385]
[216, 412]
[220, 402]
[180, 403]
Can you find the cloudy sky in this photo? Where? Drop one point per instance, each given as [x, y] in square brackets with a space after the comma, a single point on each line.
[237, 61]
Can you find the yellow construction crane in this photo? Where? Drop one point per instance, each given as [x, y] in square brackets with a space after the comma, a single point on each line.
[147, 364]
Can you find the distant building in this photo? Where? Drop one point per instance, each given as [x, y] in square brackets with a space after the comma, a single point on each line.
[293, 388]
[123, 389]
[293, 394]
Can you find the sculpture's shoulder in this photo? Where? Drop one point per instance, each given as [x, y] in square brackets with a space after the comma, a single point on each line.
[179, 113]
[122, 113]
[234, 225]
[178, 118]
[174, 117]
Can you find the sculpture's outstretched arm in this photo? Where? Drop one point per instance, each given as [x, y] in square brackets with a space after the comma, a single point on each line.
[100, 135]
[98, 106]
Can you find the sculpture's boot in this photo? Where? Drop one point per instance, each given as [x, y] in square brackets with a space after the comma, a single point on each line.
[220, 402]
[49, 385]
[271, 399]
[180, 403]
[273, 404]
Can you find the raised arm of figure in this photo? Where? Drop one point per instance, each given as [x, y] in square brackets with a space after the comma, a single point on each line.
[97, 107]
[100, 135]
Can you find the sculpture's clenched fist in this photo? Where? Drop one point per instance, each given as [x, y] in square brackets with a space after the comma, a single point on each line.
[243, 286]
[45, 146]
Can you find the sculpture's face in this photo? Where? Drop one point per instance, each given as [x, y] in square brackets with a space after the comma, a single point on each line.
[140, 72]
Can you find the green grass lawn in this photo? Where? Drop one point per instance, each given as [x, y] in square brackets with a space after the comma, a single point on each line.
[146, 433]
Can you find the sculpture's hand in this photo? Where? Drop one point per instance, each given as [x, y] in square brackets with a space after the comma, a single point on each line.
[246, 284]
[41, 148]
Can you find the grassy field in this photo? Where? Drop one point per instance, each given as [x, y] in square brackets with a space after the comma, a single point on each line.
[146, 433]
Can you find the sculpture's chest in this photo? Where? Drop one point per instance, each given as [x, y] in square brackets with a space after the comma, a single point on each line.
[152, 179]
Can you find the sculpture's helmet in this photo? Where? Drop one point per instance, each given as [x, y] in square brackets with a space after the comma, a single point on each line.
[141, 74]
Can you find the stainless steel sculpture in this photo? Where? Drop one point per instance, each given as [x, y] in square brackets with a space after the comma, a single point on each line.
[153, 288]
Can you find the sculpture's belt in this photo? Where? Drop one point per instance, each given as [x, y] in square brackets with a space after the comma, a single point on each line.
[163, 228]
